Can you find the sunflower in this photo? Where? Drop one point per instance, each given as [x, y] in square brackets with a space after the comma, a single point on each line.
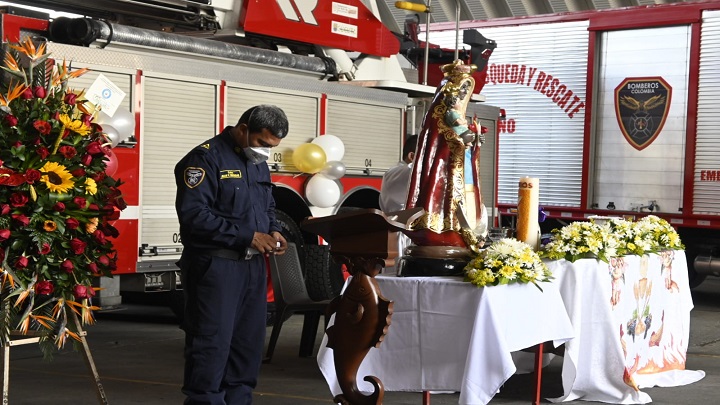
[49, 225]
[76, 126]
[56, 177]
[90, 186]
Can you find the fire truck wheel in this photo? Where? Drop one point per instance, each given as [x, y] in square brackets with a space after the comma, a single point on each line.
[292, 233]
[694, 278]
[323, 277]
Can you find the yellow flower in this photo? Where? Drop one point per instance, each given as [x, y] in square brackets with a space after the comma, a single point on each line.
[90, 186]
[76, 126]
[49, 225]
[56, 177]
[91, 226]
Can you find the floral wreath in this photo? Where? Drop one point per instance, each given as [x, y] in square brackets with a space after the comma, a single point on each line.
[507, 261]
[57, 203]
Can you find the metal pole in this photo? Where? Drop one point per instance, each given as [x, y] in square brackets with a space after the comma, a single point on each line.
[427, 41]
[457, 29]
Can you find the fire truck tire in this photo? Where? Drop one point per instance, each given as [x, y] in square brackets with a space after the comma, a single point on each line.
[323, 277]
[292, 233]
[694, 278]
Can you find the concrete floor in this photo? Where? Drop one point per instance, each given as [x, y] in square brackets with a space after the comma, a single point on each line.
[138, 353]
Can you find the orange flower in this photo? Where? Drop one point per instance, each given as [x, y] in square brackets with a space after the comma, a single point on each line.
[50, 225]
[28, 49]
[13, 93]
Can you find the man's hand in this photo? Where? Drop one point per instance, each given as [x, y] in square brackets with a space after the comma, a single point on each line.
[265, 243]
[280, 243]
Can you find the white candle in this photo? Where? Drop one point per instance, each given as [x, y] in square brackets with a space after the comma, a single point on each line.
[528, 229]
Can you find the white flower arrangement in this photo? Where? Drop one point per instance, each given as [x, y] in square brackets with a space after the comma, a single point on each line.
[612, 238]
[507, 261]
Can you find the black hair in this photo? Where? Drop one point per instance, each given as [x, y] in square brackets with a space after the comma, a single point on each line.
[265, 116]
[410, 145]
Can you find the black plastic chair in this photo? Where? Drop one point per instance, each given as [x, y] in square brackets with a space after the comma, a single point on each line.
[291, 297]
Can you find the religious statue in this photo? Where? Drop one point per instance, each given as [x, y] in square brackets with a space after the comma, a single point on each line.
[445, 180]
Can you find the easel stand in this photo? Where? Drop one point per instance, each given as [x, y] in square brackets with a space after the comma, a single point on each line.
[24, 339]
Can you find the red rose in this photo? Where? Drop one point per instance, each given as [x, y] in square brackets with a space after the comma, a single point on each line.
[86, 119]
[5, 209]
[99, 236]
[32, 175]
[45, 249]
[94, 268]
[70, 98]
[11, 120]
[80, 202]
[42, 126]
[21, 219]
[21, 262]
[67, 266]
[44, 287]
[59, 206]
[113, 214]
[86, 160]
[81, 291]
[43, 152]
[93, 207]
[68, 151]
[77, 246]
[104, 260]
[4, 235]
[78, 172]
[99, 176]
[18, 199]
[95, 149]
[27, 94]
[72, 223]
[39, 91]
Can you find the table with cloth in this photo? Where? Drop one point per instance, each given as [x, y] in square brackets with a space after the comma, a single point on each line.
[450, 335]
[631, 320]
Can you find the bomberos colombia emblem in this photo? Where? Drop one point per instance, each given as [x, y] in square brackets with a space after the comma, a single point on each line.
[641, 107]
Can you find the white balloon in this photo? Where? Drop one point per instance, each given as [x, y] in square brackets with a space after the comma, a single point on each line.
[123, 121]
[332, 145]
[333, 170]
[322, 192]
[111, 134]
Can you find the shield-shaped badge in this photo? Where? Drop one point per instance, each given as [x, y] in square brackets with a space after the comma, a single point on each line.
[641, 107]
[194, 176]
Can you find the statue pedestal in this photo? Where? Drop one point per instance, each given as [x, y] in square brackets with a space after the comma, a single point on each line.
[428, 261]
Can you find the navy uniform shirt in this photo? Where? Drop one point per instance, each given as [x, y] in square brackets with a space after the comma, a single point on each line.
[222, 198]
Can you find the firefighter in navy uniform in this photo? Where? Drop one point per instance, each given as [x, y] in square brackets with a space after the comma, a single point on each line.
[227, 224]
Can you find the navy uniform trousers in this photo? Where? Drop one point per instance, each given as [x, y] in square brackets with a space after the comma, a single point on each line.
[224, 323]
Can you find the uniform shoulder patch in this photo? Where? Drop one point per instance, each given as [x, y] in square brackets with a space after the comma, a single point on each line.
[194, 176]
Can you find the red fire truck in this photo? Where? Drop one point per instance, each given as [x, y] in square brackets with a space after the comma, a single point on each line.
[615, 112]
[189, 69]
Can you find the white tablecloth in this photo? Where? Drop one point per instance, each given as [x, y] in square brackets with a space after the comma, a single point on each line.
[632, 323]
[446, 334]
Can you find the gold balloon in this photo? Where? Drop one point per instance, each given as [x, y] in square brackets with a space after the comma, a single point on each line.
[309, 158]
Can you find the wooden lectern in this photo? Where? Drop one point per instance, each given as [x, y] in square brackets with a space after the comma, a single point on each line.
[363, 240]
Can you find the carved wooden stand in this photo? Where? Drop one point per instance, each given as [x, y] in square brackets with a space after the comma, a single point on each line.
[27, 339]
[362, 240]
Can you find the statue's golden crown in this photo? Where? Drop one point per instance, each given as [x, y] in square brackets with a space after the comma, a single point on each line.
[458, 68]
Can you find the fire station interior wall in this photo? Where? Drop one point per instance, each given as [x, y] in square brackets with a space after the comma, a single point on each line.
[707, 147]
[178, 115]
[628, 177]
[371, 133]
[532, 70]
[301, 110]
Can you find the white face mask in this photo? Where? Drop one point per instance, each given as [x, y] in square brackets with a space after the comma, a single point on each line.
[255, 154]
